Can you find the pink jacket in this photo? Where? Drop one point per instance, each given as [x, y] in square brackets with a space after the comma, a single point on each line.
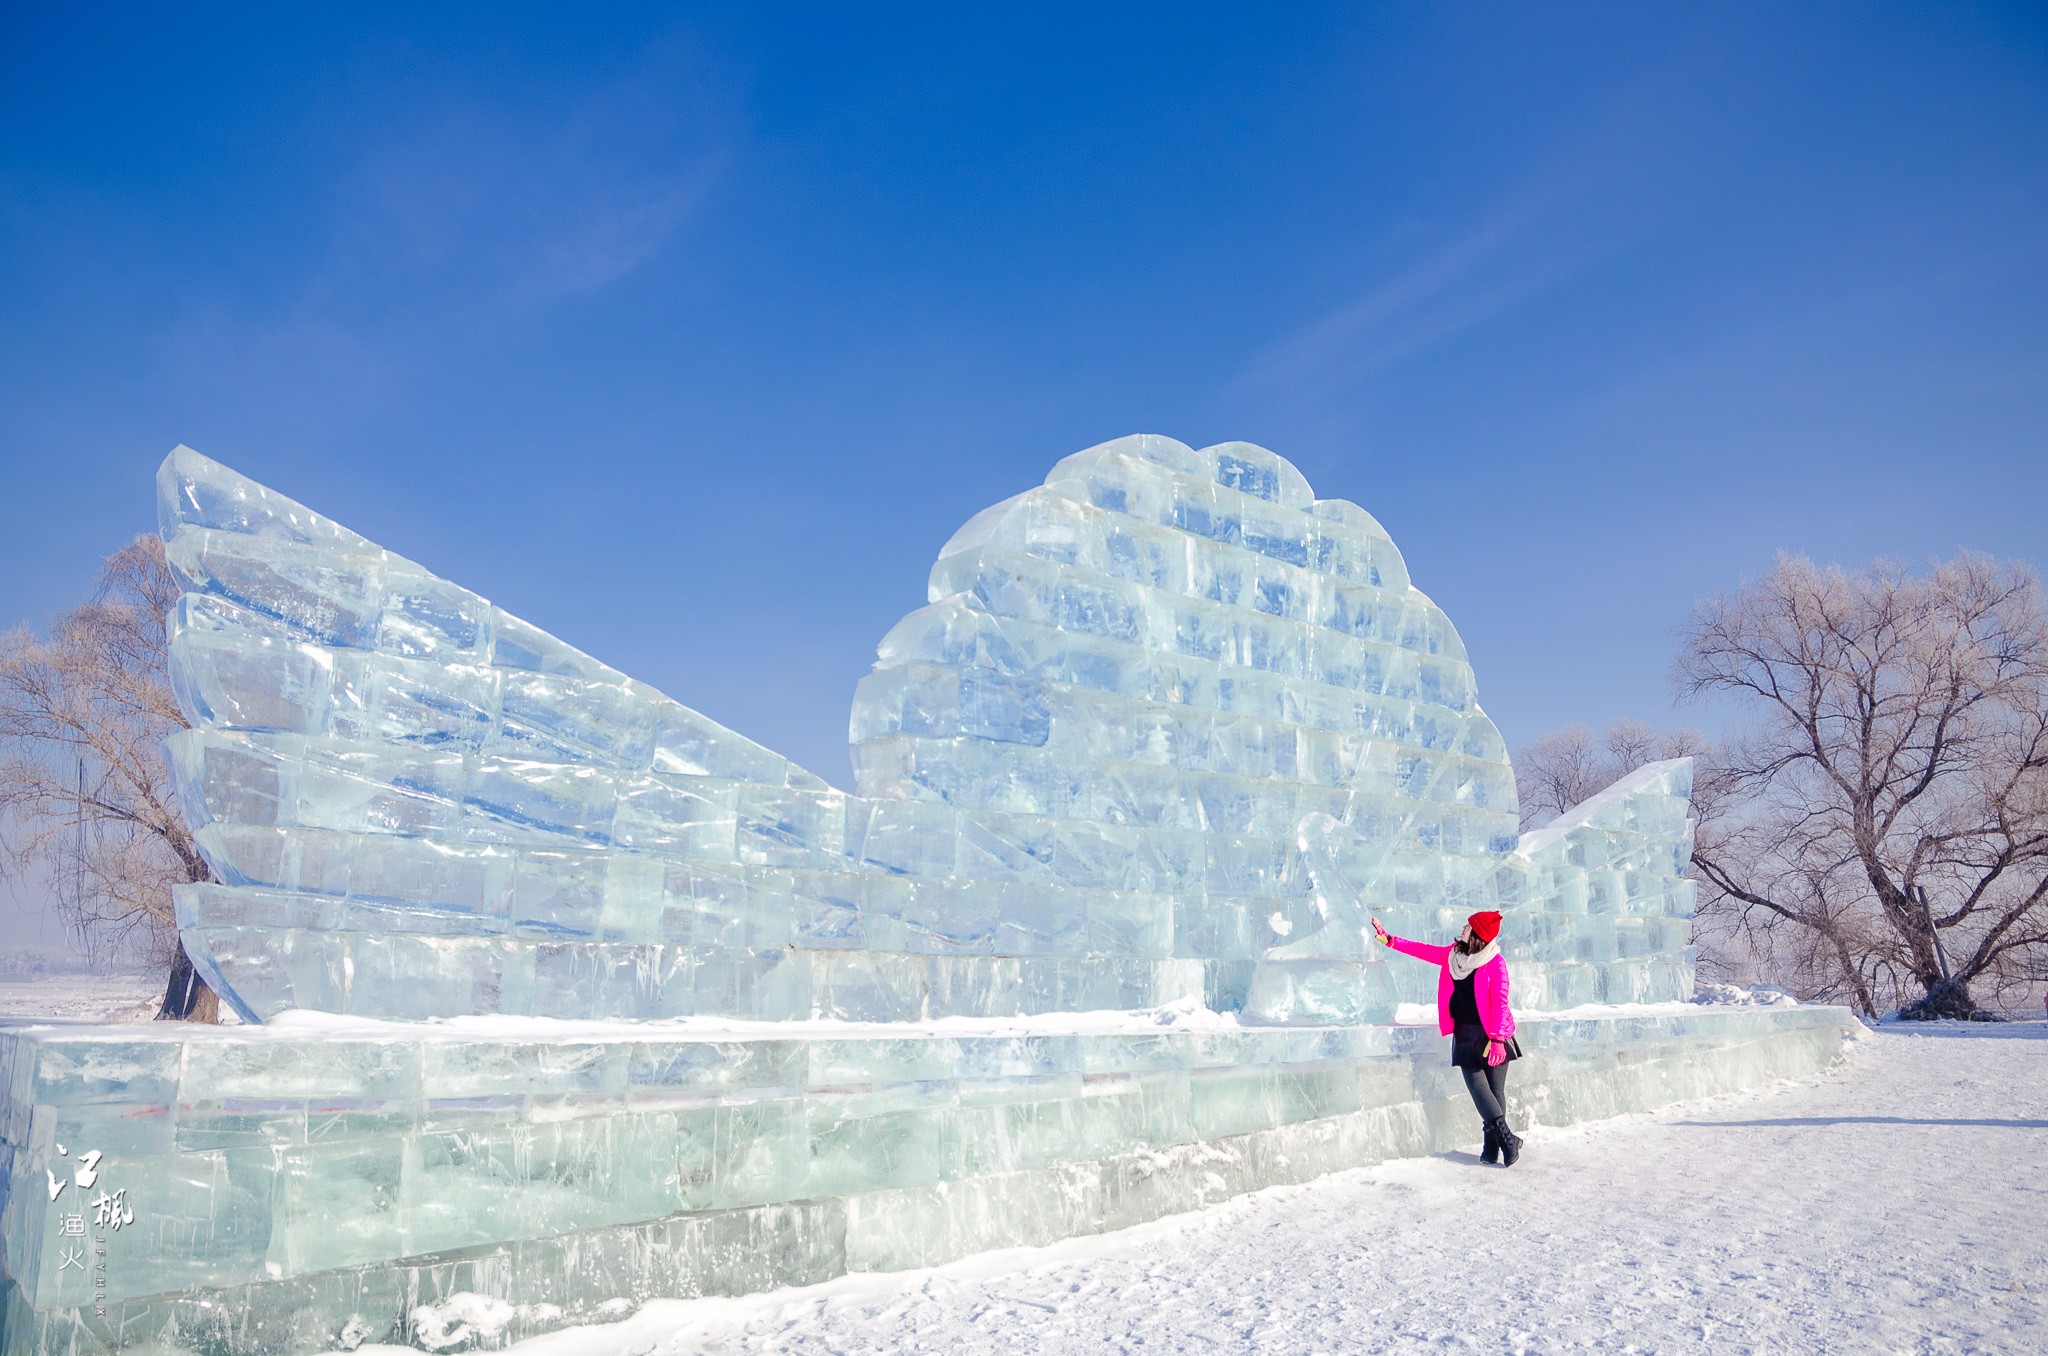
[1489, 986]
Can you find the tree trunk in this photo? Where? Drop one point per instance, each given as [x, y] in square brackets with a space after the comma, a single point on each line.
[1948, 993]
[1865, 1000]
[1946, 1000]
[186, 996]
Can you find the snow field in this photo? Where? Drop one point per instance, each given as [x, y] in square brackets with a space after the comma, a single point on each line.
[82, 997]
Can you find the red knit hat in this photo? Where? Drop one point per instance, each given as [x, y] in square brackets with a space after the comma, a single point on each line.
[1485, 925]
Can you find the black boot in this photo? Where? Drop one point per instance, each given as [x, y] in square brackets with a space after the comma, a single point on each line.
[1491, 1153]
[1510, 1143]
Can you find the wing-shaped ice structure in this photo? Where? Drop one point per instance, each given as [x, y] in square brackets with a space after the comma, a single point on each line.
[1169, 727]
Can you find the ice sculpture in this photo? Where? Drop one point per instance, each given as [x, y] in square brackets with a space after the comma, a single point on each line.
[1098, 769]
[1168, 730]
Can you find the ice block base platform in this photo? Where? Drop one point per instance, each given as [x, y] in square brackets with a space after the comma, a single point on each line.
[311, 1184]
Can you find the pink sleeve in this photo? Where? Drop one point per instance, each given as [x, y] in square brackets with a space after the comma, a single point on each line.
[1422, 951]
[1494, 1013]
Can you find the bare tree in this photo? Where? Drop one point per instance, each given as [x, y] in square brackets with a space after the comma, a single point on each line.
[84, 794]
[1881, 828]
[1566, 766]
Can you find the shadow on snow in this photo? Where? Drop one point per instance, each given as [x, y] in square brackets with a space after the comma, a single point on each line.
[1871, 1120]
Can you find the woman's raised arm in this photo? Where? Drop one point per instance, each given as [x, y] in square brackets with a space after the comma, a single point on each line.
[1422, 951]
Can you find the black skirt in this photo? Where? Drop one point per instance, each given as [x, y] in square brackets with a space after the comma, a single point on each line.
[1468, 1046]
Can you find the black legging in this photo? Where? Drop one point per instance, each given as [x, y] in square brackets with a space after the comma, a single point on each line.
[1489, 1089]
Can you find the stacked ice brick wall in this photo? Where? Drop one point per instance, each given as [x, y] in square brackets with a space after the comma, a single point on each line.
[1599, 911]
[291, 1186]
[1096, 771]
[1607, 903]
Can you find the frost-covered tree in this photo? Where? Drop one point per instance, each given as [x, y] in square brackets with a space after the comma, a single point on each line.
[1880, 827]
[1566, 766]
[84, 795]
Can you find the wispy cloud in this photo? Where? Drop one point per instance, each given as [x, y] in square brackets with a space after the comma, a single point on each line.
[490, 201]
[460, 216]
[1531, 237]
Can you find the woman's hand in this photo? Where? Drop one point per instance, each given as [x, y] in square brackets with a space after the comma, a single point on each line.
[1381, 933]
[1496, 1053]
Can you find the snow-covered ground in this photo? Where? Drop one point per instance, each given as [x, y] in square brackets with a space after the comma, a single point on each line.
[82, 996]
[1899, 1203]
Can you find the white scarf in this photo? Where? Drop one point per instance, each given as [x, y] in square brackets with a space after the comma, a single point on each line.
[1461, 965]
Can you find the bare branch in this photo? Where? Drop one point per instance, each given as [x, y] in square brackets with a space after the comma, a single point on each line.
[1889, 799]
[84, 795]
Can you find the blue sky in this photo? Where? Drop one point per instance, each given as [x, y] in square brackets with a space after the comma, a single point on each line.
[691, 333]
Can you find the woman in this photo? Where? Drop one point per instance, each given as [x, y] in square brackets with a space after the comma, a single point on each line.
[1472, 1009]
